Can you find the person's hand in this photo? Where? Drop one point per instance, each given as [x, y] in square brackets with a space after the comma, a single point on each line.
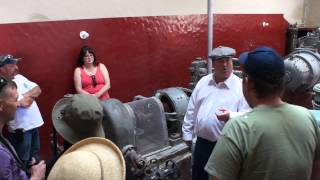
[189, 144]
[98, 94]
[25, 101]
[32, 162]
[38, 170]
[223, 114]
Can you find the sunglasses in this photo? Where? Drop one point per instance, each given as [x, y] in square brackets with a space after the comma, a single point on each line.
[94, 81]
[3, 82]
[5, 59]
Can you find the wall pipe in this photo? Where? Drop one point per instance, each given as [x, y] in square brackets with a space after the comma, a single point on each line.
[210, 35]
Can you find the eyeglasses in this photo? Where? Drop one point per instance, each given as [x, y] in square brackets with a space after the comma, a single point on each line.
[3, 82]
[94, 81]
[88, 56]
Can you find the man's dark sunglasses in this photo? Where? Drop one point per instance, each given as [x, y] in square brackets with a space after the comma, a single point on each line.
[3, 82]
[94, 81]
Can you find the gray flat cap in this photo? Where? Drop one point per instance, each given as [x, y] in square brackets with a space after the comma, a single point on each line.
[222, 52]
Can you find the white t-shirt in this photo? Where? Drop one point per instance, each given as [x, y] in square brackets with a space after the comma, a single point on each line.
[26, 118]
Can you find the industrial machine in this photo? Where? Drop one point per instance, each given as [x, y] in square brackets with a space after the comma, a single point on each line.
[148, 131]
[198, 69]
[303, 63]
[302, 69]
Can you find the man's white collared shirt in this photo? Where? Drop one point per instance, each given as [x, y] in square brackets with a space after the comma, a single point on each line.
[206, 99]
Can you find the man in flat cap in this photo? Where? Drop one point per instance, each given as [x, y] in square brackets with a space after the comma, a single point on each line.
[215, 98]
[23, 130]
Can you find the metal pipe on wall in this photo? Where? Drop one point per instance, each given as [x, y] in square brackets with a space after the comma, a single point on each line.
[210, 35]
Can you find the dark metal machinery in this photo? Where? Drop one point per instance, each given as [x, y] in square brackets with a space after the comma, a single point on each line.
[302, 69]
[175, 102]
[303, 63]
[198, 69]
[148, 131]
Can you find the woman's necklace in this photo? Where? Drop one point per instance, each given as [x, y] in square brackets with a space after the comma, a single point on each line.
[90, 71]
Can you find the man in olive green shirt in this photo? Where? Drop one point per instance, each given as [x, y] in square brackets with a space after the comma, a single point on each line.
[275, 140]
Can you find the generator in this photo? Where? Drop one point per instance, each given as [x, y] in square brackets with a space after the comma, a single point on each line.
[148, 131]
[302, 65]
[302, 68]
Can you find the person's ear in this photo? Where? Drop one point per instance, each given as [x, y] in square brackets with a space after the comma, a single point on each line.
[245, 82]
[244, 78]
[249, 83]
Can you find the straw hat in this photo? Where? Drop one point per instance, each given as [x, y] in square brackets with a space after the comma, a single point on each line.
[79, 116]
[90, 159]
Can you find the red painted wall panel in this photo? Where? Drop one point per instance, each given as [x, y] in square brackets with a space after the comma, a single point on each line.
[245, 32]
[142, 54]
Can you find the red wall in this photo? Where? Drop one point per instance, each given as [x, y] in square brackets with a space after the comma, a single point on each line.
[142, 54]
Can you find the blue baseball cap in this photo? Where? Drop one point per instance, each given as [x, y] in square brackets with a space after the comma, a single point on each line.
[263, 63]
[7, 59]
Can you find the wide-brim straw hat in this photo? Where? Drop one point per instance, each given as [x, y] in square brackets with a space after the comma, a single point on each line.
[78, 116]
[90, 159]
